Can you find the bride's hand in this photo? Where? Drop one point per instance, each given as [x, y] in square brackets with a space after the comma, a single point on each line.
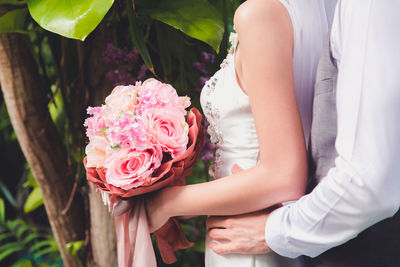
[156, 214]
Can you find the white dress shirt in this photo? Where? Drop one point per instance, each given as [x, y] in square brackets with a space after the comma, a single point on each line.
[363, 187]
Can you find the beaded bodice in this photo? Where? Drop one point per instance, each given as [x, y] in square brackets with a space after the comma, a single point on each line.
[231, 124]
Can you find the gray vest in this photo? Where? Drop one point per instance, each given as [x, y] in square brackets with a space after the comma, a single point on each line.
[377, 246]
[324, 124]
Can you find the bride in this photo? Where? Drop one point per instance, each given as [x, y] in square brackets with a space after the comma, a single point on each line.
[259, 107]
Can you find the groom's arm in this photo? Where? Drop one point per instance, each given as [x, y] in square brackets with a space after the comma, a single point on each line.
[364, 186]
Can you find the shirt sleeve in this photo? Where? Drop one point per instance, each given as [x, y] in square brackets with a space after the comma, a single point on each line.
[363, 187]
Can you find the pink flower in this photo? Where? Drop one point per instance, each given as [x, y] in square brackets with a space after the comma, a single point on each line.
[95, 123]
[155, 94]
[122, 99]
[127, 132]
[128, 168]
[96, 151]
[169, 129]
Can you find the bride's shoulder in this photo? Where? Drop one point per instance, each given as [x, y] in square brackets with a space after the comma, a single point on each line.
[258, 13]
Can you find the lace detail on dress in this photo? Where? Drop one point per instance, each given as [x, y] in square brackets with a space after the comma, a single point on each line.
[212, 113]
[233, 39]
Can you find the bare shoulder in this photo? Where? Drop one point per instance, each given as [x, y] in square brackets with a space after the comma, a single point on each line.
[261, 13]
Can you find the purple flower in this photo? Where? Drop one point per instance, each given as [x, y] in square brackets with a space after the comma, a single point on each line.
[133, 55]
[207, 58]
[142, 72]
[203, 80]
[200, 67]
[125, 66]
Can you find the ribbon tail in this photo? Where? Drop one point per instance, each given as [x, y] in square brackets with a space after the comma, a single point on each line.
[170, 238]
[134, 246]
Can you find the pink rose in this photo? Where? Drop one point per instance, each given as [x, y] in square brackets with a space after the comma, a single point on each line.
[96, 151]
[169, 129]
[155, 94]
[164, 91]
[122, 99]
[128, 168]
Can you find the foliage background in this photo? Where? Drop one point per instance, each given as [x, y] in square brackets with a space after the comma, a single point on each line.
[181, 42]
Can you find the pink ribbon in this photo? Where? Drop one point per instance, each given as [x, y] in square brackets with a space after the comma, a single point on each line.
[134, 246]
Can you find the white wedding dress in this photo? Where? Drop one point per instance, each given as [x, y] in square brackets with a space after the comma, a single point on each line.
[232, 129]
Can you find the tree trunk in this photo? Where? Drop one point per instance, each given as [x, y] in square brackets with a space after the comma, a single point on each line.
[102, 233]
[39, 140]
[93, 69]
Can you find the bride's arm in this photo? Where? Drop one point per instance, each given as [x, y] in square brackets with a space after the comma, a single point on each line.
[265, 71]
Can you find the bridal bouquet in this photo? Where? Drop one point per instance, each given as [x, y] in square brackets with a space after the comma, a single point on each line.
[141, 140]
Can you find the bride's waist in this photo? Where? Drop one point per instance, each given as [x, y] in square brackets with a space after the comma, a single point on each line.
[237, 152]
[225, 159]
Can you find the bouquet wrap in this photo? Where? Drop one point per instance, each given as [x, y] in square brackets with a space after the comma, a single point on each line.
[134, 242]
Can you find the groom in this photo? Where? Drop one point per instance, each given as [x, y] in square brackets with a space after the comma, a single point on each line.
[355, 145]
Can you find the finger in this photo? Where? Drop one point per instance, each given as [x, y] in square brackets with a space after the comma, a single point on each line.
[236, 169]
[218, 234]
[223, 248]
[215, 221]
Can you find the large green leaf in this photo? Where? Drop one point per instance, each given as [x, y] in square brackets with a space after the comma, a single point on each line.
[34, 200]
[13, 21]
[197, 18]
[72, 18]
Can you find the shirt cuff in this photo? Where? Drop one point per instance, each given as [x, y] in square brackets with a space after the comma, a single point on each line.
[275, 233]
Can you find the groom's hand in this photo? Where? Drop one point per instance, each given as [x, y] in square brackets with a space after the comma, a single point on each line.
[241, 234]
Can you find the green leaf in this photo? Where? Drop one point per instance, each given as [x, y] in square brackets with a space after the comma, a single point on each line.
[22, 263]
[13, 21]
[34, 200]
[45, 251]
[21, 230]
[115, 147]
[12, 224]
[73, 247]
[9, 248]
[31, 237]
[73, 19]
[7, 194]
[56, 107]
[165, 56]
[40, 245]
[196, 18]
[2, 211]
[138, 37]
[30, 180]
[5, 236]
[104, 130]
